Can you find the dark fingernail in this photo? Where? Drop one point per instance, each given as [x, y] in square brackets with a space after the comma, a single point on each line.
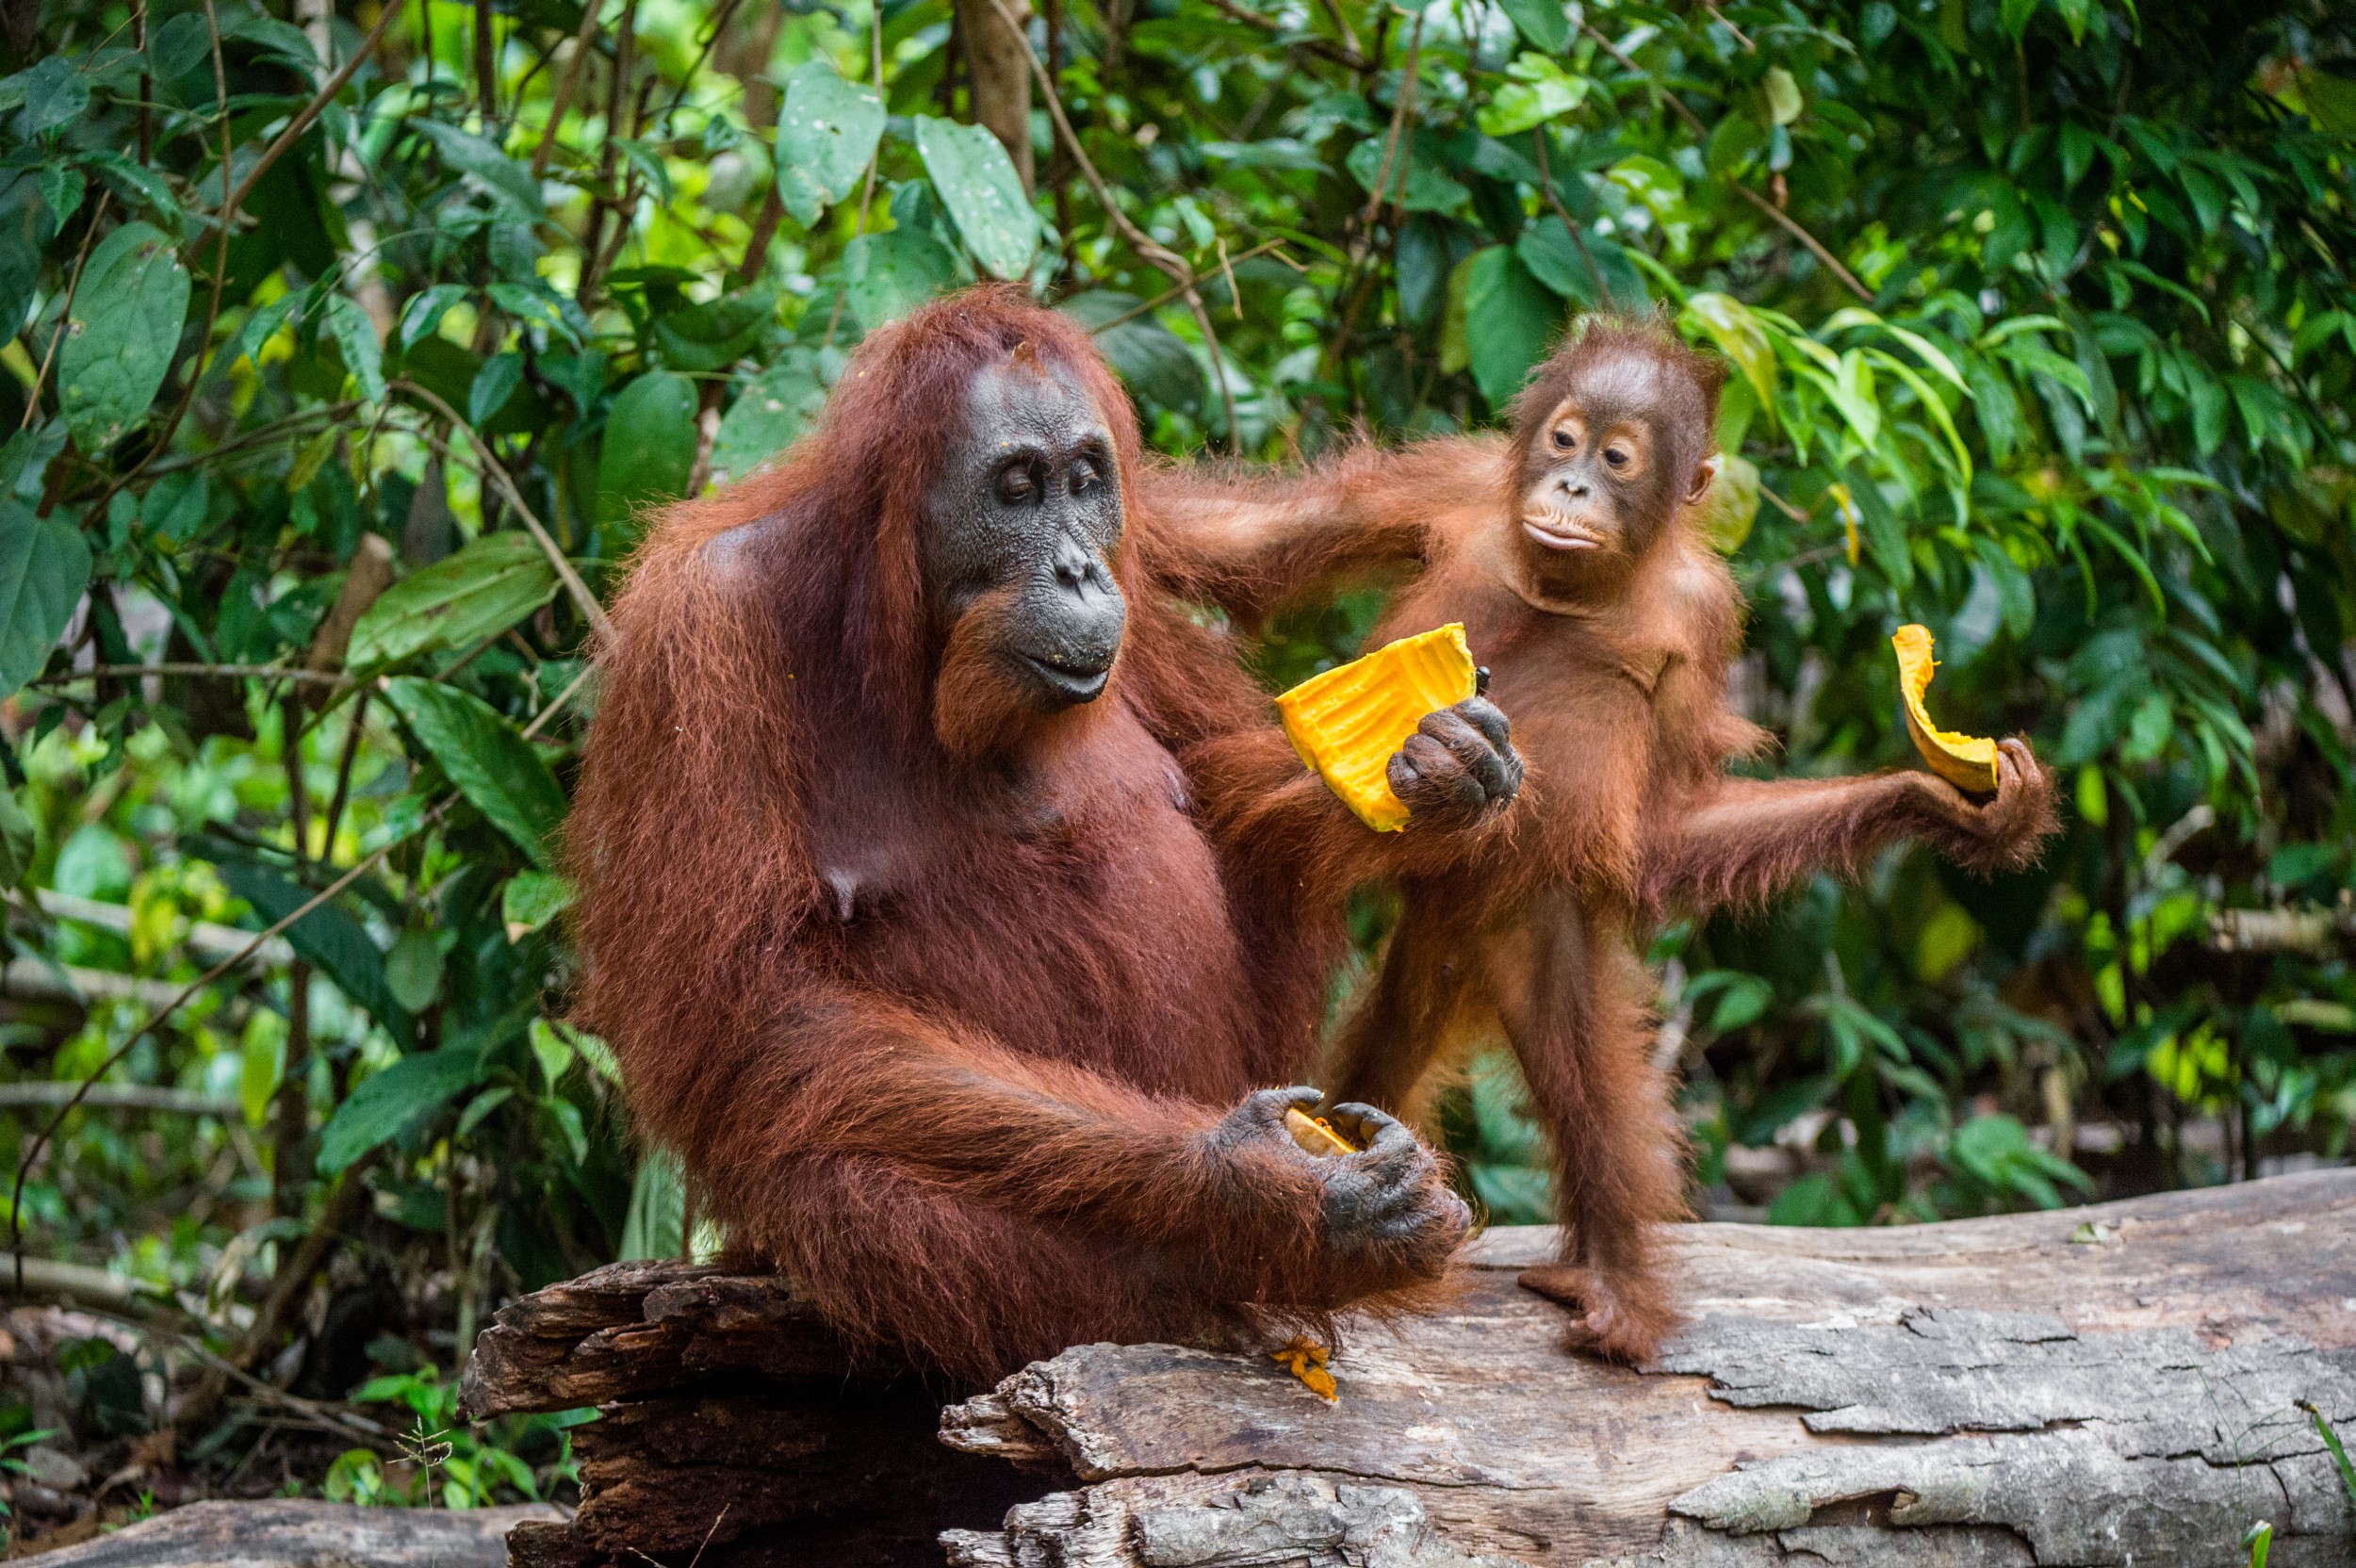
[1480, 680]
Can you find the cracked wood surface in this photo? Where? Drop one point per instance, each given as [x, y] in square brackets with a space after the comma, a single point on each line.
[2114, 1385]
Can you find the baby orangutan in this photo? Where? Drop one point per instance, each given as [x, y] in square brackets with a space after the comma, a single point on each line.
[1571, 556]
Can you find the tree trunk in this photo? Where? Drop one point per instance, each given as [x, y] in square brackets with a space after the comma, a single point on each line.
[999, 71]
[293, 1534]
[2118, 1385]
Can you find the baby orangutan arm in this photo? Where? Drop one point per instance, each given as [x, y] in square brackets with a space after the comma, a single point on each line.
[1249, 544]
[943, 1196]
[1747, 839]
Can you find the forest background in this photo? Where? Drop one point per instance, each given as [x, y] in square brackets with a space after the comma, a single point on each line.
[346, 347]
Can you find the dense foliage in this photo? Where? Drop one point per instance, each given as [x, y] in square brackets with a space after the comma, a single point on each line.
[2042, 335]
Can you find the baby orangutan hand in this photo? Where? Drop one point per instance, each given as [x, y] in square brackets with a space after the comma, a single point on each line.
[1457, 767]
[2004, 833]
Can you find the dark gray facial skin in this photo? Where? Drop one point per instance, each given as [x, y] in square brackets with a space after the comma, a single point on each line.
[1028, 503]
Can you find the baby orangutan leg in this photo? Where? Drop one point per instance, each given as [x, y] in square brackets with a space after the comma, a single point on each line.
[1397, 1029]
[1571, 995]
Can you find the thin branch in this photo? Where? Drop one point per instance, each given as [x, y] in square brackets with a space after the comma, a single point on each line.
[243, 672]
[1815, 247]
[311, 111]
[41, 1141]
[566, 85]
[65, 313]
[1169, 294]
[557, 704]
[120, 1097]
[1578, 237]
[489, 464]
[1789, 224]
[1341, 55]
[1168, 261]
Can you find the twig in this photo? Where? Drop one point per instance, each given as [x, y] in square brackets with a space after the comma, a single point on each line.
[1576, 229]
[1790, 224]
[1167, 260]
[119, 1097]
[566, 85]
[65, 314]
[558, 702]
[1169, 294]
[490, 465]
[249, 671]
[32, 1153]
[1341, 55]
[311, 111]
[1815, 247]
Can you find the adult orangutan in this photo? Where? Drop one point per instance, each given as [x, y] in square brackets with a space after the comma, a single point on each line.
[1569, 553]
[903, 905]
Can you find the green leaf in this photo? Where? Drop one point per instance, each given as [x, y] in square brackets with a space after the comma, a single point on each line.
[649, 447]
[1540, 91]
[55, 95]
[506, 179]
[766, 418]
[1733, 504]
[976, 182]
[716, 335]
[492, 765]
[658, 1209]
[1415, 185]
[1543, 22]
[44, 566]
[356, 334]
[328, 939]
[386, 1103]
[1784, 101]
[18, 840]
[1152, 360]
[1510, 322]
[1741, 335]
[531, 900]
[412, 969]
[457, 602]
[826, 131]
[492, 387]
[889, 275]
[124, 326]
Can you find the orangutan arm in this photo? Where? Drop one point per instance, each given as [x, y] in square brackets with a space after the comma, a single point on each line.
[919, 1177]
[1748, 839]
[1249, 544]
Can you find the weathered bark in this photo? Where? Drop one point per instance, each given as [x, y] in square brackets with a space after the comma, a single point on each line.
[288, 1534]
[734, 1433]
[2099, 1386]
[999, 72]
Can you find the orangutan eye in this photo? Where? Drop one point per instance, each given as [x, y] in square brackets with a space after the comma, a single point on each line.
[1616, 456]
[1565, 440]
[1083, 476]
[1014, 483]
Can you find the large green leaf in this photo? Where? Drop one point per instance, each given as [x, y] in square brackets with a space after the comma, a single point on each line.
[456, 603]
[125, 324]
[889, 275]
[650, 446]
[505, 178]
[328, 939]
[386, 1103]
[767, 416]
[44, 565]
[717, 333]
[1545, 23]
[978, 183]
[1154, 360]
[490, 763]
[1510, 322]
[1414, 185]
[826, 131]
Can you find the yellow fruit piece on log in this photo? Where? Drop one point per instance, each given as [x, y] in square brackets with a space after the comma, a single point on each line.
[1967, 762]
[1305, 1358]
[1316, 1136]
[1347, 723]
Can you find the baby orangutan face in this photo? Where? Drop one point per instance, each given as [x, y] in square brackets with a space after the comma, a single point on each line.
[1621, 441]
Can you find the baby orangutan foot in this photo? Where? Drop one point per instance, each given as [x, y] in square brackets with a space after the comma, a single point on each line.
[1612, 1322]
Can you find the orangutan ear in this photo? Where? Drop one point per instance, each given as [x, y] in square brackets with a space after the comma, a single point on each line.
[1703, 474]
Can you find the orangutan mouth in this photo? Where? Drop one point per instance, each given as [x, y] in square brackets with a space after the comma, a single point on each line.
[1558, 532]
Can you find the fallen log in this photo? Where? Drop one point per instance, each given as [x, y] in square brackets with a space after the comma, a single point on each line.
[2135, 1383]
[284, 1533]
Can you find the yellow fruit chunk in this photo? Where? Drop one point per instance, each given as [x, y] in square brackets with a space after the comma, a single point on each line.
[1305, 1358]
[1347, 723]
[1316, 1136]
[1967, 762]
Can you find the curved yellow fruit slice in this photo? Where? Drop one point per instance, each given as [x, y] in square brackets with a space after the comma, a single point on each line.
[1315, 1136]
[1967, 762]
[1347, 723]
